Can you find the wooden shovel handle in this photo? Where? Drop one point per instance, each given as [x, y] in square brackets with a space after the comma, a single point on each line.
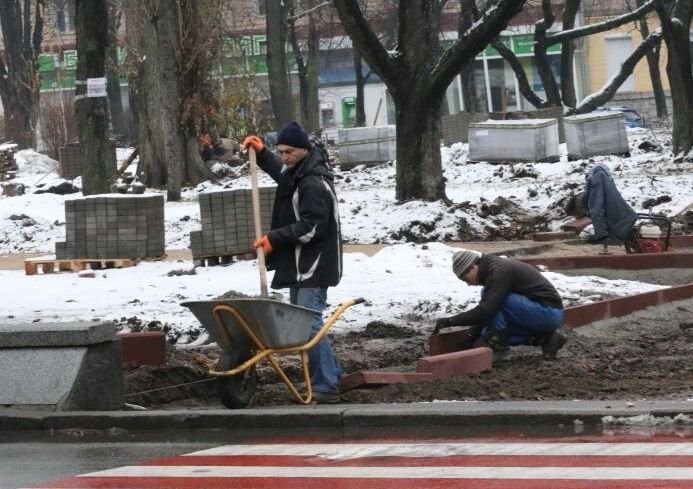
[255, 193]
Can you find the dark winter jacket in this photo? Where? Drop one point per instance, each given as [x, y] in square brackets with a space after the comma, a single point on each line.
[611, 215]
[500, 278]
[305, 233]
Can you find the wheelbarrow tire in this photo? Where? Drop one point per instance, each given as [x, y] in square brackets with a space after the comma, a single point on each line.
[236, 391]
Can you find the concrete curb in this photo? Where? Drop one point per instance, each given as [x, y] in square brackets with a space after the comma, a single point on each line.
[347, 417]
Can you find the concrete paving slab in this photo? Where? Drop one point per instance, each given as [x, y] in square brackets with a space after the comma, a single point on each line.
[55, 334]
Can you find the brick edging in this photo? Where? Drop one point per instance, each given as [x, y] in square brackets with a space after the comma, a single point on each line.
[680, 259]
[576, 316]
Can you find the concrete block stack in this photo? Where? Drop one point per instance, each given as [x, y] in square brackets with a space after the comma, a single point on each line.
[113, 226]
[8, 165]
[68, 157]
[228, 227]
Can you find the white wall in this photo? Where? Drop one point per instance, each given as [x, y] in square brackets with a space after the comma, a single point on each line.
[373, 93]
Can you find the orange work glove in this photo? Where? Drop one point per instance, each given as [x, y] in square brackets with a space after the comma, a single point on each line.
[253, 142]
[263, 243]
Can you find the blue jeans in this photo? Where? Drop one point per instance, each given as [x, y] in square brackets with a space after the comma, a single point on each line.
[521, 320]
[325, 371]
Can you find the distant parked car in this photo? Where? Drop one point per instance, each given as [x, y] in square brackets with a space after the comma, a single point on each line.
[633, 119]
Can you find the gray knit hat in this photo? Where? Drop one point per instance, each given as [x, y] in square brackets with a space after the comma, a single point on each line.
[463, 260]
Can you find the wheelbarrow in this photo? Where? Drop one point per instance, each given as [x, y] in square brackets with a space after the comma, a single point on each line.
[251, 330]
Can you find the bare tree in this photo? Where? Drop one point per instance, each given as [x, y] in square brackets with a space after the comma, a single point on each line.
[468, 10]
[417, 76]
[175, 95]
[277, 65]
[676, 25]
[22, 34]
[91, 109]
[653, 67]
[307, 55]
[543, 40]
[115, 101]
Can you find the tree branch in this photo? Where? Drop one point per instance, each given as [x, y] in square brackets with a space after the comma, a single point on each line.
[479, 35]
[520, 74]
[365, 40]
[607, 92]
[601, 26]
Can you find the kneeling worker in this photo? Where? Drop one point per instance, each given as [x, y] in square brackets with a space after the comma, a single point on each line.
[518, 305]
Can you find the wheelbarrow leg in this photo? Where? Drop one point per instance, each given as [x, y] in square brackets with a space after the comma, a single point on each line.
[290, 385]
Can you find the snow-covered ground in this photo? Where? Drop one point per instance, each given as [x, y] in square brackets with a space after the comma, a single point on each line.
[402, 282]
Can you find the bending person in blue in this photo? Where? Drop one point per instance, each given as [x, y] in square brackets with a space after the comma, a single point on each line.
[518, 305]
[304, 246]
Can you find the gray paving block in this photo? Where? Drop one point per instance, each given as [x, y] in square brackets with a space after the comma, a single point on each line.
[55, 334]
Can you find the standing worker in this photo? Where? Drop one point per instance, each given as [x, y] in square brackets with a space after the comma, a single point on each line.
[518, 305]
[304, 244]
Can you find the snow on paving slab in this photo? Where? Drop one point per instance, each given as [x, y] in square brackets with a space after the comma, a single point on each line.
[402, 283]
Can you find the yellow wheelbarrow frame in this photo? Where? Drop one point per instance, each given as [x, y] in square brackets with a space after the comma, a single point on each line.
[266, 353]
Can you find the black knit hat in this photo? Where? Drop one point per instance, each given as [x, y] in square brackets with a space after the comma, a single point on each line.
[293, 135]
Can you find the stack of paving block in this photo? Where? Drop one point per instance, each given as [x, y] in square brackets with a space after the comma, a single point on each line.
[8, 165]
[113, 226]
[228, 227]
[69, 159]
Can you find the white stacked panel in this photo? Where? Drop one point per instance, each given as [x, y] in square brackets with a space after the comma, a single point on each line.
[514, 140]
[600, 133]
[363, 145]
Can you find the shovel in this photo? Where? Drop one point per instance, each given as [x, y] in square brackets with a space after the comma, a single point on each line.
[255, 193]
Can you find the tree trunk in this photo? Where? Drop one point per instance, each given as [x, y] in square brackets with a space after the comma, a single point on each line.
[312, 115]
[277, 67]
[469, 94]
[360, 120]
[655, 74]
[96, 158]
[19, 82]
[567, 54]
[679, 70]
[168, 155]
[553, 95]
[115, 100]
[419, 167]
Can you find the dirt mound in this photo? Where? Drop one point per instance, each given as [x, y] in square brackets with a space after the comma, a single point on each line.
[644, 355]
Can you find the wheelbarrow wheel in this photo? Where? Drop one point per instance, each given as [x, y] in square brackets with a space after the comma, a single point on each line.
[236, 391]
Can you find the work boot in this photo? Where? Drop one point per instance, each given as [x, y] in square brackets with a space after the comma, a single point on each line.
[551, 345]
[497, 341]
[326, 398]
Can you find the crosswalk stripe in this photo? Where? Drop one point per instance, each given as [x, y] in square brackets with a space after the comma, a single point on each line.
[458, 460]
[576, 473]
[351, 450]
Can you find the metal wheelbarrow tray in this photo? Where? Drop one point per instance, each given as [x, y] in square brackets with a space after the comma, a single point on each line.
[251, 330]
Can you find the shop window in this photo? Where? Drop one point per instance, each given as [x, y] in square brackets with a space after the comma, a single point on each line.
[617, 50]
[65, 16]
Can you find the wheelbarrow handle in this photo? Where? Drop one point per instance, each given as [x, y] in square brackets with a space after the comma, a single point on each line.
[330, 321]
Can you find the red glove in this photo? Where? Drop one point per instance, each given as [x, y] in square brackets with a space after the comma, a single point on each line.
[263, 243]
[253, 142]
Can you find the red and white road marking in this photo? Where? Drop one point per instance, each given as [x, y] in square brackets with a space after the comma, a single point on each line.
[498, 465]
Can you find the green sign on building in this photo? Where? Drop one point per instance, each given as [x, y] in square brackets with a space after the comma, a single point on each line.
[70, 59]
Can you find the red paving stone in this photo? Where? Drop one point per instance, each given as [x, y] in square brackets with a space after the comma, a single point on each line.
[148, 348]
[456, 363]
[371, 379]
